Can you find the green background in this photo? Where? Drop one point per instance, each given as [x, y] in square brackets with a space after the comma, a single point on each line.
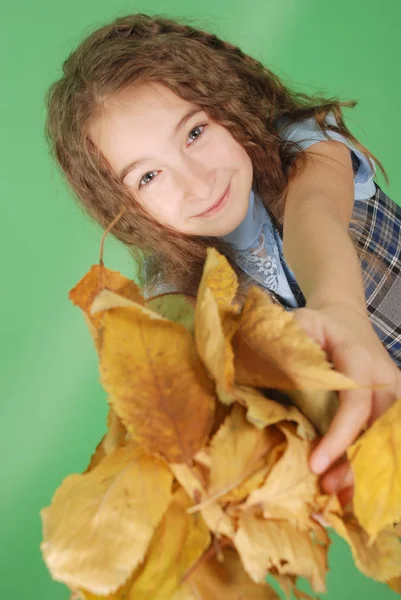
[53, 408]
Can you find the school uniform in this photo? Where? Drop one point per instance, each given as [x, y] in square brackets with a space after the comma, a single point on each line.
[258, 246]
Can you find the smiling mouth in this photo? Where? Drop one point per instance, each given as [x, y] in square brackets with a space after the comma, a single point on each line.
[217, 205]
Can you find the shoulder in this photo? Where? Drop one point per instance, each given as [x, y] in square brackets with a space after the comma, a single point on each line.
[306, 133]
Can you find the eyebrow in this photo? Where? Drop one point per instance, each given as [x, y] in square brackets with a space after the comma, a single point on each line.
[188, 115]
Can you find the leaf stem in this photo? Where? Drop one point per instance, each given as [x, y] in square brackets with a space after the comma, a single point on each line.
[213, 549]
[109, 227]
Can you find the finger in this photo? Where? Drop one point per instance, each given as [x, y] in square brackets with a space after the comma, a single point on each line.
[383, 397]
[354, 410]
[337, 478]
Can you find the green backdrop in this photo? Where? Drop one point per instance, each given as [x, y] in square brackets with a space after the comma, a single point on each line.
[53, 408]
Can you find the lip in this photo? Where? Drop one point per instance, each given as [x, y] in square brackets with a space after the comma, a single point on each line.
[221, 202]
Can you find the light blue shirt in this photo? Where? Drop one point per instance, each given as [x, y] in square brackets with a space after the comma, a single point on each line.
[306, 133]
[257, 246]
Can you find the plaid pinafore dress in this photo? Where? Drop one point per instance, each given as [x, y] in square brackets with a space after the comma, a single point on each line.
[376, 228]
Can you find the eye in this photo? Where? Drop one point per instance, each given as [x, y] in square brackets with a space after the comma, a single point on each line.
[197, 131]
[193, 135]
[145, 179]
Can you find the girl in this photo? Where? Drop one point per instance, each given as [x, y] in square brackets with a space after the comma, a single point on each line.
[207, 147]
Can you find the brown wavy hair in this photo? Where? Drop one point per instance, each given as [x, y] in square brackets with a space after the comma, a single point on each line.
[233, 88]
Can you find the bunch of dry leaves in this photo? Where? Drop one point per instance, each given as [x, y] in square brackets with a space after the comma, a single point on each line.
[201, 487]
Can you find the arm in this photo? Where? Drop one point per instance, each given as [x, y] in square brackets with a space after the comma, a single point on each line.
[319, 250]
[316, 244]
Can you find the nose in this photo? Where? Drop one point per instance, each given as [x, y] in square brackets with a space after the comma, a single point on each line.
[195, 179]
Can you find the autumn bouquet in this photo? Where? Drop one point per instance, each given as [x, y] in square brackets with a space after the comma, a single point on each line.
[200, 487]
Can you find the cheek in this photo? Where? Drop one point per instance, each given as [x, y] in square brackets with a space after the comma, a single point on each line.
[164, 210]
[233, 151]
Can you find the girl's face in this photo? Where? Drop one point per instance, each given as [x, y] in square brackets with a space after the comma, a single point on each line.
[177, 161]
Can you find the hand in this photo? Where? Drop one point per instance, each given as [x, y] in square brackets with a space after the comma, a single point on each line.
[351, 344]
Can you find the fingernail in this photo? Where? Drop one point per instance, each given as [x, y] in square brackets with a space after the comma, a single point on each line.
[320, 463]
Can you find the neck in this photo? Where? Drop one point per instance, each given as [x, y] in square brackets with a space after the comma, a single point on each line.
[248, 231]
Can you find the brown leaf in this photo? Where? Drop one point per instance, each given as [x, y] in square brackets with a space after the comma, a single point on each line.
[216, 320]
[376, 462]
[179, 541]
[212, 513]
[395, 584]
[265, 544]
[99, 525]
[213, 580]
[239, 456]
[99, 278]
[262, 412]
[156, 381]
[380, 560]
[290, 488]
[272, 351]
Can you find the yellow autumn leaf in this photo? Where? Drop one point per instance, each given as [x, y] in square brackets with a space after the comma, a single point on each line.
[97, 279]
[271, 350]
[156, 382]
[105, 300]
[238, 456]
[319, 406]
[179, 541]
[216, 320]
[120, 594]
[288, 585]
[213, 347]
[115, 437]
[215, 517]
[290, 488]
[174, 307]
[240, 468]
[264, 544]
[220, 278]
[376, 462]
[227, 580]
[99, 525]
[84, 595]
[380, 560]
[262, 412]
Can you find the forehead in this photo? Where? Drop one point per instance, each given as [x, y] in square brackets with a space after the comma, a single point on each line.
[138, 105]
[140, 118]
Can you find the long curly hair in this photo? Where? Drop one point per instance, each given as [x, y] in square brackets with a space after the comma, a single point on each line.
[234, 89]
